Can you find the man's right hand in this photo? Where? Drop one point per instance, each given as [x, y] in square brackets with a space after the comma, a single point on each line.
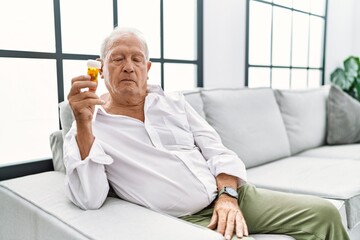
[83, 104]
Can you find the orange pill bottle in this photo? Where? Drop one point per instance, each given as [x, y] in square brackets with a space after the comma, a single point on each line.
[93, 68]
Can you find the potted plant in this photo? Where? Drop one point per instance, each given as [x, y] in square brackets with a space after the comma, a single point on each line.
[348, 78]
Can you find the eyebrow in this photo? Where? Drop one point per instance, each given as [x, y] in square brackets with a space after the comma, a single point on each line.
[118, 52]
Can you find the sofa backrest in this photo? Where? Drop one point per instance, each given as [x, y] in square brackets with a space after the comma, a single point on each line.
[249, 123]
[194, 99]
[304, 115]
[253, 122]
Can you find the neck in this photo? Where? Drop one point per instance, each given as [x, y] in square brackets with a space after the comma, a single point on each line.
[134, 109]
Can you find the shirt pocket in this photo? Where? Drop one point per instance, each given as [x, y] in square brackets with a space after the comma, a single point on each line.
[179, 129]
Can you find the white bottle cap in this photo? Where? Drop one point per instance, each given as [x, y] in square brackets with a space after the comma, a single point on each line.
[93, 64]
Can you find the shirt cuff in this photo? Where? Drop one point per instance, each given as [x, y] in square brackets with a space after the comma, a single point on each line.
[96, 155]
[230, 165]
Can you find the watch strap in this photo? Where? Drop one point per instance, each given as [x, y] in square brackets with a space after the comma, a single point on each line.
[228, 191]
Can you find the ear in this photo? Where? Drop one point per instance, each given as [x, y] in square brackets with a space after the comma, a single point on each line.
[148, 65]
[102, 65]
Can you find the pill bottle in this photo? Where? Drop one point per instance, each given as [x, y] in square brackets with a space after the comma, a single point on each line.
[93, 68]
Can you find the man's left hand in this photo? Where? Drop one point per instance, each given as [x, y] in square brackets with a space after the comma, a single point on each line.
[228, 217]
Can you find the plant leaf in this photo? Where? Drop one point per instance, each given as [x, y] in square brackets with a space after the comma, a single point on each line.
[357, 88]
[352, 66]
[339, 78]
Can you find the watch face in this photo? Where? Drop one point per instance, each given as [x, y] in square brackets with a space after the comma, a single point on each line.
[231, 192]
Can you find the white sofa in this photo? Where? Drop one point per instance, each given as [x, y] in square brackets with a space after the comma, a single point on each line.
[281, 135]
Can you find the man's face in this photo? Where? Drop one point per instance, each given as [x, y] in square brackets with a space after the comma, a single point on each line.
[125, 67]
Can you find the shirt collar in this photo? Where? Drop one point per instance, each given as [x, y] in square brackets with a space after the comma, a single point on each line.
[154, 88]
[151, 89]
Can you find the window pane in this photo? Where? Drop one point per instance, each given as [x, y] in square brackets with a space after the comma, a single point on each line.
[85, 24]
[303, 5]
[29, 30]
[299, 79]
[259, 33]
[286, 3]
[300, 39]
[32, 113]
[315, 77]
[180, 29]
[318, 7]
[179, 77]
[280, 78]
[74, 68]
[316, 41]
[281, 37]
[145, 16]
[259, 77]
[155, 74]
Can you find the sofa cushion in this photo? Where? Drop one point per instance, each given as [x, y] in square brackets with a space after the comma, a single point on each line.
[340, 205]
[338, 151]
[304, 114]
[328, 178]
[116, 219]
[194, 99]
[343, 118]
[51, 215]
[248, 122]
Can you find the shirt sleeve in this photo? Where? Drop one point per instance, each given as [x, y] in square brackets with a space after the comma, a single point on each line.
[219, 158]
[86, 183]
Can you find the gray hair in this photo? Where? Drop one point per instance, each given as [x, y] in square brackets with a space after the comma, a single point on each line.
[119, 31]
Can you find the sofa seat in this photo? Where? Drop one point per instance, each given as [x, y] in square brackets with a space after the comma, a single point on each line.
[349, 151]
[310, 175]
[35, 207]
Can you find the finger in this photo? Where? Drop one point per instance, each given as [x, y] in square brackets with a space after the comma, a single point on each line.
[246, 231]
[77, 86]
[84, 100]
[83, 96]
[213, 221]
[87, 103]
[230, 223]
[79, 107]
[80, 78]
[221, 225]
[240, 226]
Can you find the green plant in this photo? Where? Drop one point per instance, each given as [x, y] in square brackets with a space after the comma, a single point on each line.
[348, 78]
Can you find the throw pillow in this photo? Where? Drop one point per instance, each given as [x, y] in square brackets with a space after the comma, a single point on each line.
[249, 122]
[66, 117]
[343, 118]
[304, 115]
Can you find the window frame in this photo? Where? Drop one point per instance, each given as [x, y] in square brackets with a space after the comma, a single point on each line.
[290, 67]
[20, 168]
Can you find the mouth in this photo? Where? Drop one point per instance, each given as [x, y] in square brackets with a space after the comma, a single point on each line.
[127, 80]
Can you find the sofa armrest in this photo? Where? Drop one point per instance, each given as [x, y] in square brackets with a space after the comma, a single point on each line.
[42, 197]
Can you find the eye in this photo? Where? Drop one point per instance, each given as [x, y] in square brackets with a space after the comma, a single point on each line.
[138, 59]
[117, 58]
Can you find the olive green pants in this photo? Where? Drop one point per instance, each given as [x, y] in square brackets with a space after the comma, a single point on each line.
[300, 216]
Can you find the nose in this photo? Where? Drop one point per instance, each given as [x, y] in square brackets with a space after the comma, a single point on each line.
[128, 67]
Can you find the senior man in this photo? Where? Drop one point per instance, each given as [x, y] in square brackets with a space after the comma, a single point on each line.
[154, 150]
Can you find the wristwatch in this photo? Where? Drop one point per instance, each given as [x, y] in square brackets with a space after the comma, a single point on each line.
[229, 191]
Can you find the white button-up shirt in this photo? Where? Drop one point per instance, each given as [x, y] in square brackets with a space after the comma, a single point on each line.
[167, 163]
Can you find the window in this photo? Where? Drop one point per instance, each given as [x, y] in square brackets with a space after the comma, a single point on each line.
[42, 49]
[285, 43]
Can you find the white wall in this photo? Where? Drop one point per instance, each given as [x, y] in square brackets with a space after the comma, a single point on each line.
[356, 41]
[342, 33]
[224, 39]
[224, 43]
